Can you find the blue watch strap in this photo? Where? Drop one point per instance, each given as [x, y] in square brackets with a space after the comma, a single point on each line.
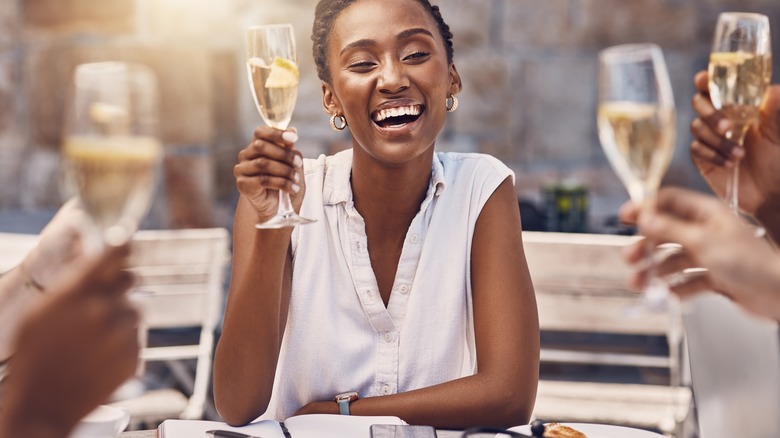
[344, 400]
[344, 406]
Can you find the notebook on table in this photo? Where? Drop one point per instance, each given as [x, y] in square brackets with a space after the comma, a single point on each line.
[735, 369]
[301, 426]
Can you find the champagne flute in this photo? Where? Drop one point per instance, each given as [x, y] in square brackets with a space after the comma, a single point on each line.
[110, 151]
[740, 69]
[272, 68]
[636, 121]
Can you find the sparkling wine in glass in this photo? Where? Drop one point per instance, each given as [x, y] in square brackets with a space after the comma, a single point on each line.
[740, 70]
[272, 68]
[111, 153]
[636, 121]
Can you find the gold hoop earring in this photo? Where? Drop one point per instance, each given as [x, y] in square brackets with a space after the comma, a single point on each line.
[451, 103]
[338, 123]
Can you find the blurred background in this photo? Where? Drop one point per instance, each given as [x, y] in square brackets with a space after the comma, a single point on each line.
[529, 69]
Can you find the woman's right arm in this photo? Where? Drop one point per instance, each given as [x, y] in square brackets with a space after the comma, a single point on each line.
[248, 349]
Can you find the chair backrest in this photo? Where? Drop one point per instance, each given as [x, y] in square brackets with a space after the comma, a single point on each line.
[181, 276]
[581, 284]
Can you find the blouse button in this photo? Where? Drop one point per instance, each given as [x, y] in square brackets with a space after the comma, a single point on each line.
[389, 337]
[404, 289]
[415, 238]
[385, 390]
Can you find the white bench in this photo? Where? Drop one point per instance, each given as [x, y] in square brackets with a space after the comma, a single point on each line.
[581, 287]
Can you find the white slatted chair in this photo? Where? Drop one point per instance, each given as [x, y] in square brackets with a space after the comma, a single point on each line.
[181, 276]
[581, 287]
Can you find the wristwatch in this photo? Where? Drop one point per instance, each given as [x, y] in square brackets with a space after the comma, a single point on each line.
[344, 400]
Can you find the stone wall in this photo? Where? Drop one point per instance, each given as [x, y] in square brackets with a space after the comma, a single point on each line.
[529, 70]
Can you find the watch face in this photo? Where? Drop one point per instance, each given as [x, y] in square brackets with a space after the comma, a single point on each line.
[347, 396]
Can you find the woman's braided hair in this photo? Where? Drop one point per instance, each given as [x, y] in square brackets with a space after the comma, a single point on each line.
[328, 10]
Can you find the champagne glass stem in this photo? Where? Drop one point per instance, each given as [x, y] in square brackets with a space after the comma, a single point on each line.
[655, 291]
[732, 189]
[737, 136]
[285, 205]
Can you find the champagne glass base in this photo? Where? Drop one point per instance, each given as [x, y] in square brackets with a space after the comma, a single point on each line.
[655, 299]
[283, 221]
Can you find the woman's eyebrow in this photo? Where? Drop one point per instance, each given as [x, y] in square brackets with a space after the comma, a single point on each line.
[408, 33]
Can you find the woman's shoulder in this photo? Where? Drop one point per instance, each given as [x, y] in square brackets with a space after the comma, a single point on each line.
[474, 163]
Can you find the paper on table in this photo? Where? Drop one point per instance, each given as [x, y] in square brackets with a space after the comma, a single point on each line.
[301, 426]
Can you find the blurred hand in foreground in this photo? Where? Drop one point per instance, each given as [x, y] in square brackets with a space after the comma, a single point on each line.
[740, 265]
[73, 350]
[759, 160]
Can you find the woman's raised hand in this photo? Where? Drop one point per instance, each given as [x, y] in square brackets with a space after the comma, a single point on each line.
[759, 161]
[267, 165]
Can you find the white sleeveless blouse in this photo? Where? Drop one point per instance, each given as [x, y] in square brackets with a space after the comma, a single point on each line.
[339, 335]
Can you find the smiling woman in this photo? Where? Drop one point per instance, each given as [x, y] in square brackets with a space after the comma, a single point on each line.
[411, 289]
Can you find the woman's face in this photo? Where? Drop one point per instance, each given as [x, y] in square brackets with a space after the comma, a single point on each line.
[390, 78]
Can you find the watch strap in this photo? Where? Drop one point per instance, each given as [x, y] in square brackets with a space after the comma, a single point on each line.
[344, 406]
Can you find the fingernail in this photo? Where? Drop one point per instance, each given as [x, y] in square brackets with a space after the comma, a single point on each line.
[297, 161]
[723, 126]
[296, 177]
[296, 188]
[738, 152]
[257, 143]
[290, 136]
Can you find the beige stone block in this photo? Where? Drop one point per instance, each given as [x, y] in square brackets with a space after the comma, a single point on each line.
[9, 23]
[10, 84]
[104, 16]
[40, 179]
[484, 103]
[610, 22]
[535, 23]
[189, 187]
[207, 22]
[469, 21]
[560, 109]
[184, 83]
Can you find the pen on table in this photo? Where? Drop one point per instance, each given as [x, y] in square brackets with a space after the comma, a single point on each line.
[217, 433]
[284, 430]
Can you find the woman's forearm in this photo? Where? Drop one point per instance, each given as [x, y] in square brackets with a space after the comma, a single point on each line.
[248, 349]
[480, 399]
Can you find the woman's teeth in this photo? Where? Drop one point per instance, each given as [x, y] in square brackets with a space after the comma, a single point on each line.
[382, 115]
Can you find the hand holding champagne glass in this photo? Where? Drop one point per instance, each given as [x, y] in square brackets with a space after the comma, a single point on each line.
[740, 70]
[273, 76]
[636, 121]
[110, 151]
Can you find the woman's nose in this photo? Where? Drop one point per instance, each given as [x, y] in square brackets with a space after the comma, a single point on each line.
[392, 78]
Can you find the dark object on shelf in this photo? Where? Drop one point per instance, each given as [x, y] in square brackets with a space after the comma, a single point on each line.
[566, 207]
